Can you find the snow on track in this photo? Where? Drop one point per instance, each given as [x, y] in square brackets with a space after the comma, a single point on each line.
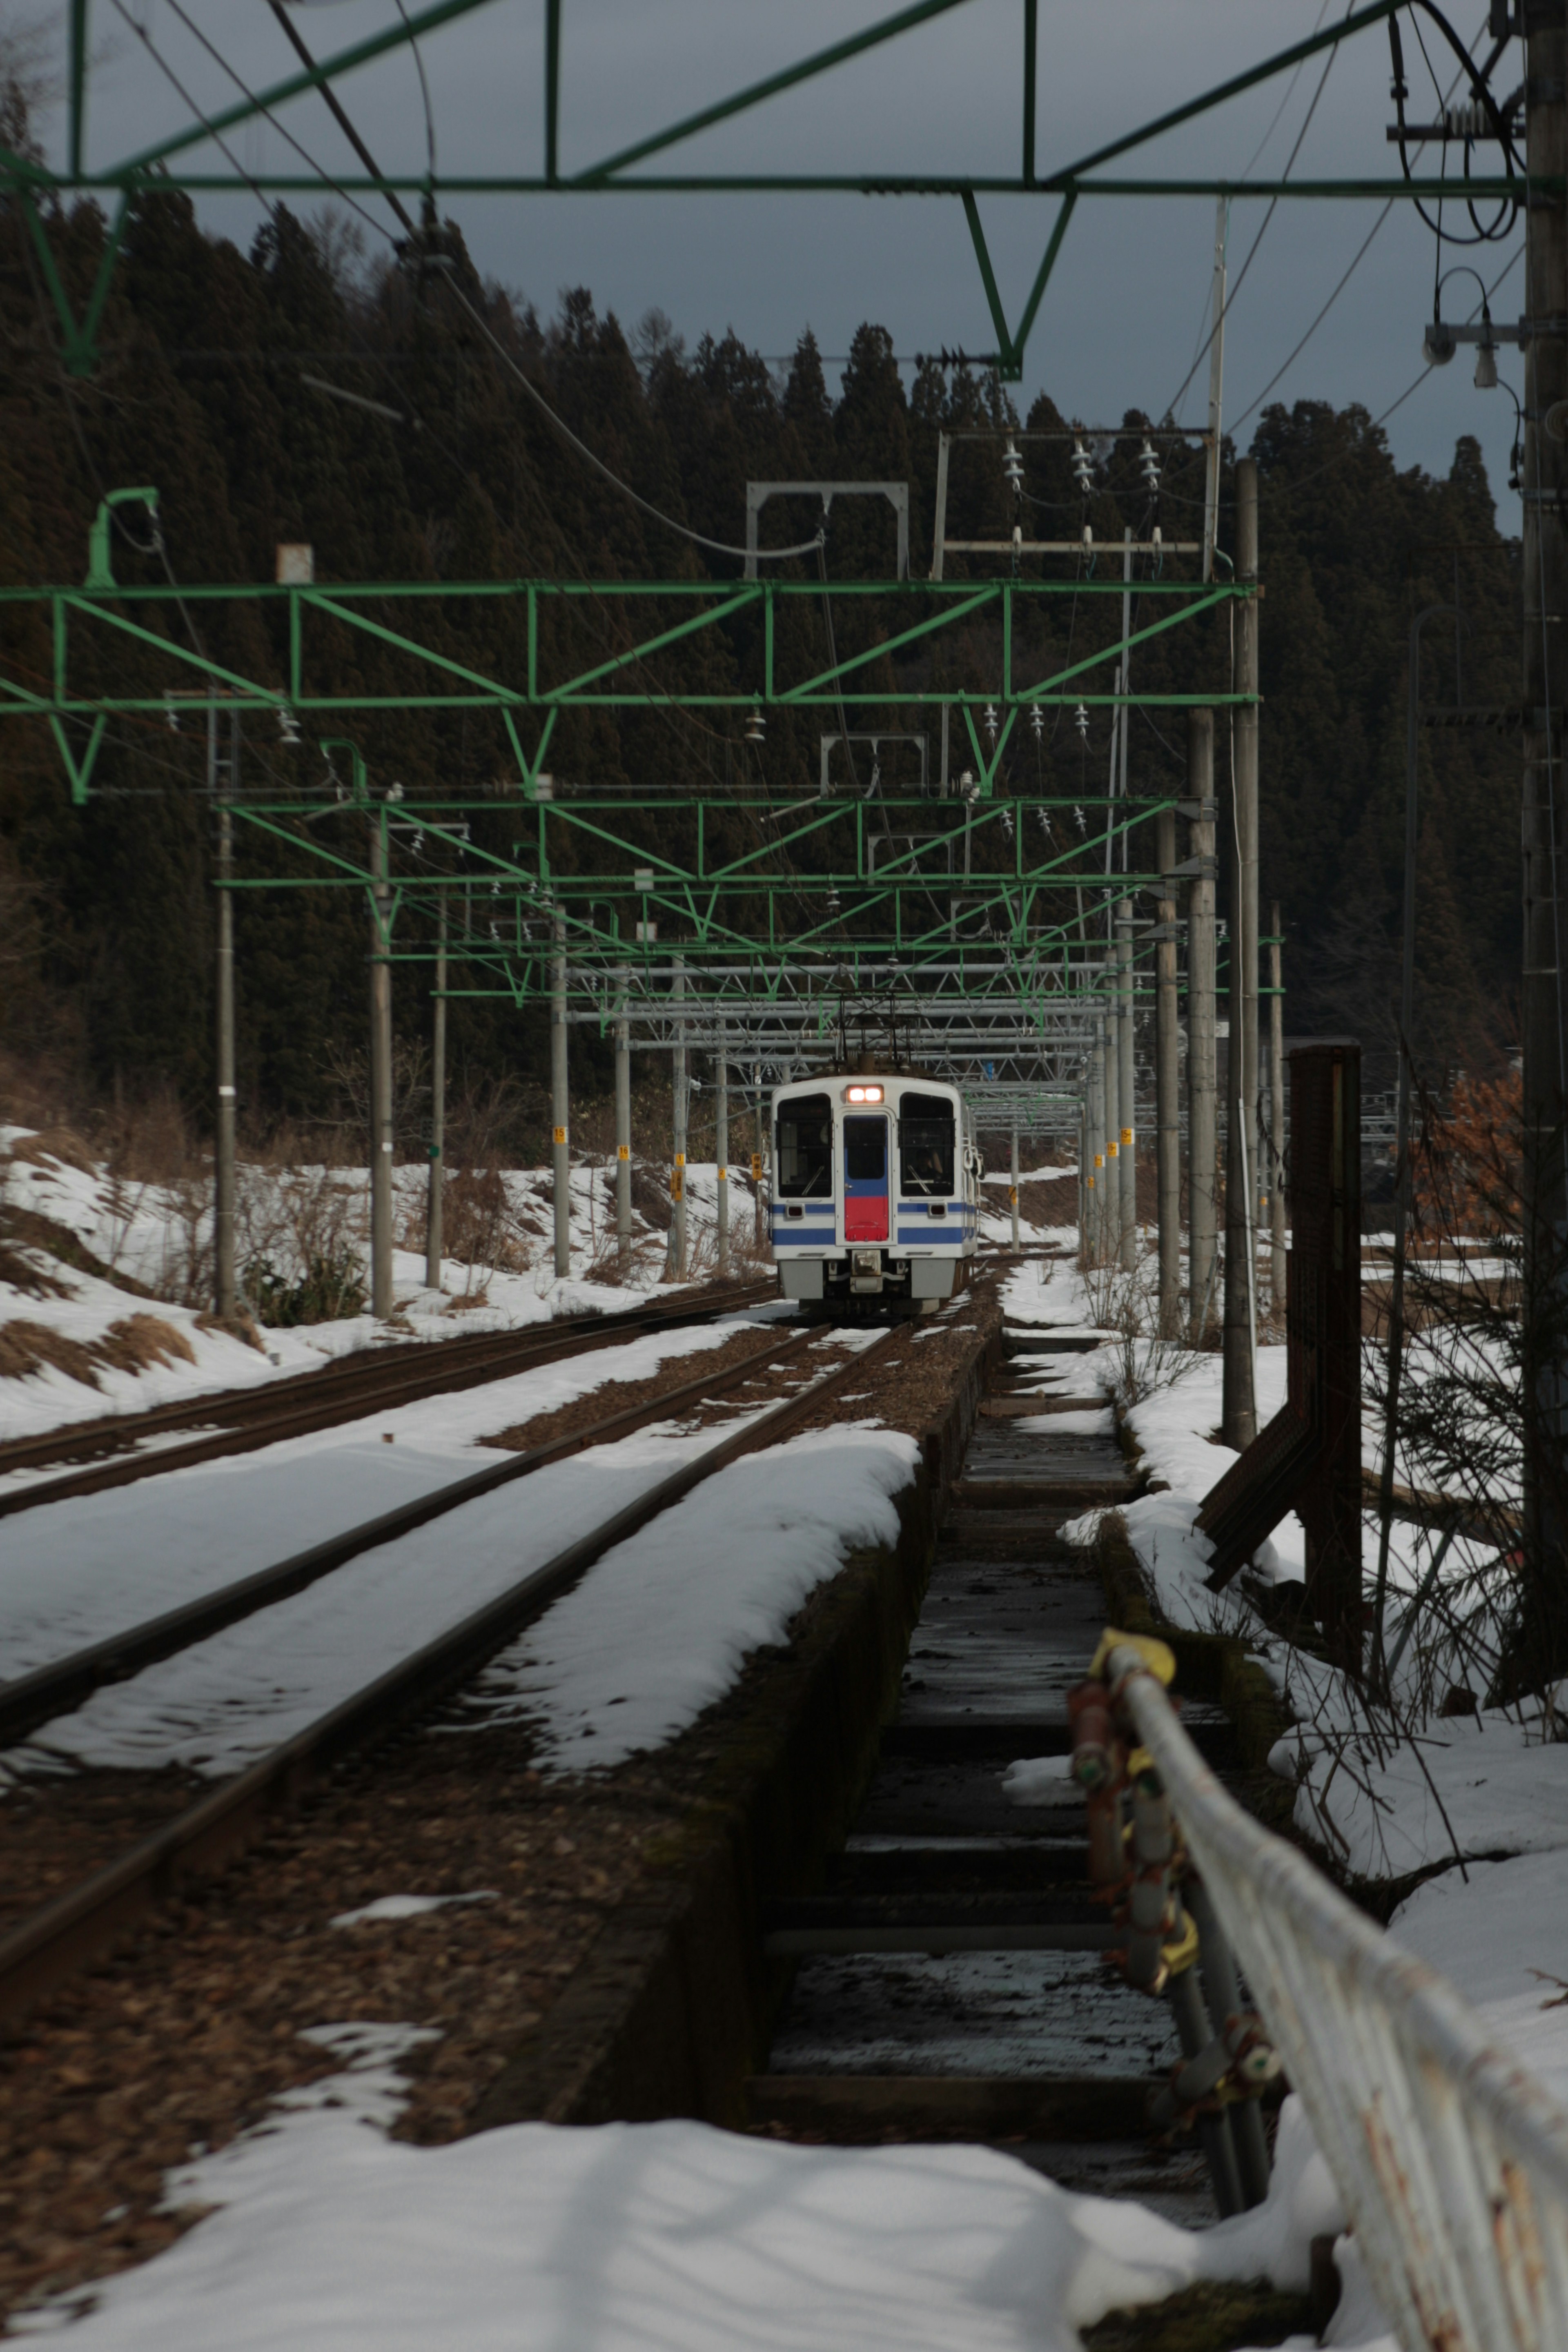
[76, 1571]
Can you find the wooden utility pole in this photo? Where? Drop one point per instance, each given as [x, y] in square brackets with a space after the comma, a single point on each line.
[380, 1297]
[1545, 682]
[560, 1114]
[1203, 1187]
[224, 1283]
[1238, 1412]
[436, 1197]
[1167, 1106]
[1276, 1109]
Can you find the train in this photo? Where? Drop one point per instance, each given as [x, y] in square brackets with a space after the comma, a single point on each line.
[875, 1206]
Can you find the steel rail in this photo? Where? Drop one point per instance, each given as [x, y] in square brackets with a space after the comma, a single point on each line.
[31, 1699]
[74, 1928]
[265, 1415]
[1446, 2151]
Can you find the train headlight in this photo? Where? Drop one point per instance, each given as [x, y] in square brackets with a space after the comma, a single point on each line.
[863, 1094]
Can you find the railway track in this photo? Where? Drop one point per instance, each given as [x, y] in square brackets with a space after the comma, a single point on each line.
[43, 1949]
[241, 1421]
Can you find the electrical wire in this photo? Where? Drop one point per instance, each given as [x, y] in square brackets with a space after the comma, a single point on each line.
[717, 546]
[1233, 290]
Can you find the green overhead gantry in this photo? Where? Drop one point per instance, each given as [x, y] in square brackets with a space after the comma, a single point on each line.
[174, 160]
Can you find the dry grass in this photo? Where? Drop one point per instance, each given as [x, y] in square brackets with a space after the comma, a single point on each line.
[56, 1144]
[134, 1344]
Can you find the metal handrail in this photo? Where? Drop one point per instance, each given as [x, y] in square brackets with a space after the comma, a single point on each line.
[1451, 2161]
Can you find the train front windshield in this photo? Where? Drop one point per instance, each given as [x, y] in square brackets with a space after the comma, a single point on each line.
[926, 1145]
[804, 1158]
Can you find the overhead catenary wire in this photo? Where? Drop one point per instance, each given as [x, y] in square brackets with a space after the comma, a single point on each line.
[590, 457]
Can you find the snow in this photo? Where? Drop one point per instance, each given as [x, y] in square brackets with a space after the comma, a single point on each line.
[320, 2234]
[1500, 1935]
[159, 1236]
[658, 1628]
[1036, 1780]
[78, 1570]
[407, 1906]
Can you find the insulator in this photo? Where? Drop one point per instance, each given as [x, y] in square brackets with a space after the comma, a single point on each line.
[988, 720]
[1082, 471]
[1149, 465]
[756, 728]
[1080, 721]
[1036, 721]
[1082, 821]
[1012, 469]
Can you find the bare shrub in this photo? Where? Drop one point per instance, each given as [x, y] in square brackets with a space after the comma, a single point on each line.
[1126, 1301]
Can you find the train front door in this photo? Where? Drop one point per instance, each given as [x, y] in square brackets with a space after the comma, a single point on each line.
[866, 1179]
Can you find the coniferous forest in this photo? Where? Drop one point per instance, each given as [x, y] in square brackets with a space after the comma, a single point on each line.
[201, 390]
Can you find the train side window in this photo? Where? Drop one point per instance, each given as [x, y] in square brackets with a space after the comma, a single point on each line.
[803, 1156]
[926, 1144]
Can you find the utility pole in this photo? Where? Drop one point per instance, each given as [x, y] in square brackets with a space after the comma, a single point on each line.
[624, 1132]
[1013, 1189]
[381, 1298]
[1216, 386]
[1238, 1411]
[224, 1286]
[721, 1145]
[1545, 681]
[759, 1156]
[437, 1196]
[1110, 1196]
[560, 1142]
[1275, 1108]
[678, 1078]
[1126, 1088]
[1094, 1233]
[1202, 1206]
[1167, 1108]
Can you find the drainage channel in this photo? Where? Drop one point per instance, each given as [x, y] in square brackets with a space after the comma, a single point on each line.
[949, 1982]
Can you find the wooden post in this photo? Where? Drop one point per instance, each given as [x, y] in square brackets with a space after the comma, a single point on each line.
[1238, 1410]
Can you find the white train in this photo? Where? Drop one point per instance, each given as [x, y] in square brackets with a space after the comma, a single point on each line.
[876, 1192]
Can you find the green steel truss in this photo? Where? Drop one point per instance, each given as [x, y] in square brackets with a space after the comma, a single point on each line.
[88, 628]
[167, 161]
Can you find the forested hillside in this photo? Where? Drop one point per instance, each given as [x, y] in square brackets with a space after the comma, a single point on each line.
[201, 391]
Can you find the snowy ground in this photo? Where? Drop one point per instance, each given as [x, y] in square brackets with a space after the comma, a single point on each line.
[323, 2235]
[160, 1238]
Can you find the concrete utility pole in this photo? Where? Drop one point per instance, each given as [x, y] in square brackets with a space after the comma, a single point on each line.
[1167, 1106]
[1202, 1215]
[624, 1134]
[721, 1145]
[678, 1180]
[1545, 1071]
[1111, 1182]
[1013, 1189]
[1094, 1223]
[226, 1298]
[759, 1156]
[1276, 1109]
[1216, 386]
[1126, 1089]
[381, 1298]
[1238, 1411]
[436, 1197]
[560, 1143]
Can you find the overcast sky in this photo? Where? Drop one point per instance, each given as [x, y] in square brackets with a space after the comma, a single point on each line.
[1124, 312]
